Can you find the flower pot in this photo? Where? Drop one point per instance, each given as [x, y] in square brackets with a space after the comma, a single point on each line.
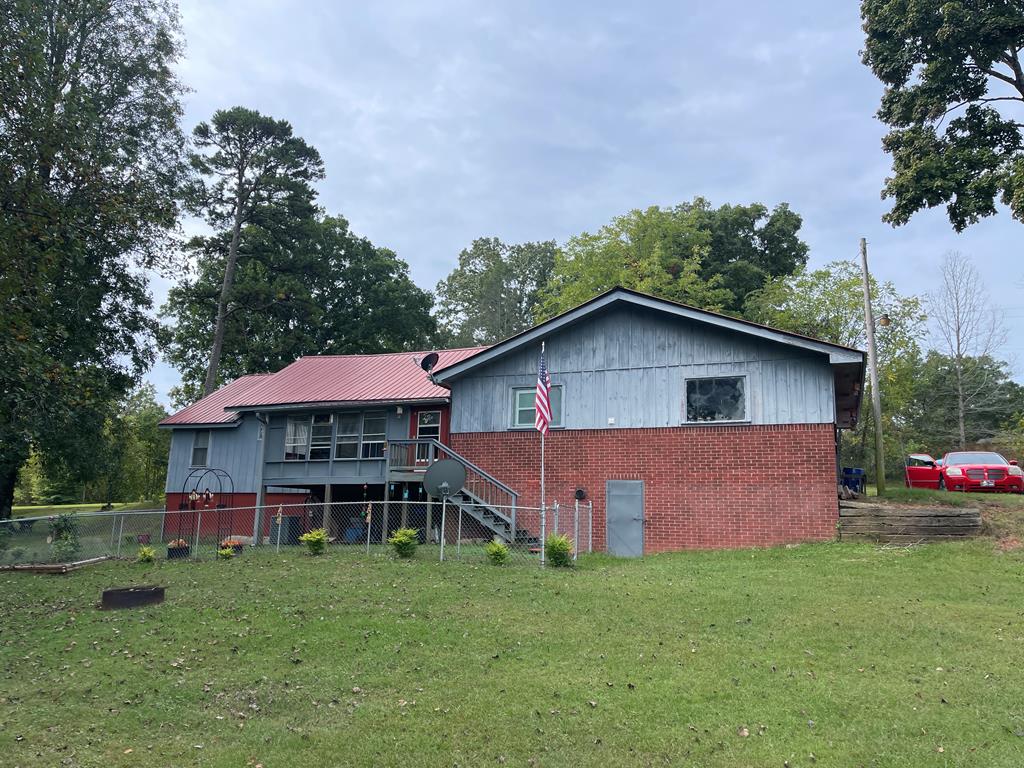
[178, 553]
[238, 548]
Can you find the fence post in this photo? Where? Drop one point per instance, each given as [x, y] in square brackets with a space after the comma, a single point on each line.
[576, 529]
[120, 536]
[199, 522]
[444, 510]
[369, 525]
[113, 529]
[590, 527]
[543, 524]
[555, 509]
[458, 537]
[513, 522]
[280, 520]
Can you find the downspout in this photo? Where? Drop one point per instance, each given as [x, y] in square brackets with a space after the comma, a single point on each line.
[261, 460]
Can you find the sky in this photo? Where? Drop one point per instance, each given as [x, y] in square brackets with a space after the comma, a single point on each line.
[446, 121]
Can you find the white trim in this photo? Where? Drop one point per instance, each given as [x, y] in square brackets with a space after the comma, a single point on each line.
[513, 412]
[192, 449]
[747, 418]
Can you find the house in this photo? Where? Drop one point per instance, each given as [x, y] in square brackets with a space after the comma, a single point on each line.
[684, 428]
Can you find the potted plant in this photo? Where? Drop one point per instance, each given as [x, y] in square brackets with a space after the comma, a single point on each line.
[236, 544]
[178, 549]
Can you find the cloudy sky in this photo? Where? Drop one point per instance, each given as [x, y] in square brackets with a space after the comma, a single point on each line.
[445, 121]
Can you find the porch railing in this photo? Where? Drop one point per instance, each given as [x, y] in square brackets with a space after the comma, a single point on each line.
[416, 455]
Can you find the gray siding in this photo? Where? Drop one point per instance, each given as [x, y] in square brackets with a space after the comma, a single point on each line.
[630, 364]
[232, 449]
[280, 472]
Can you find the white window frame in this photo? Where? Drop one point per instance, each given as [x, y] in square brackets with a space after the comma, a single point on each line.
[192, 454]
[423, 452]
[321, 443]
[382, 442]
[293, 444]
[746, 399]
[516, 409]
[349, 438]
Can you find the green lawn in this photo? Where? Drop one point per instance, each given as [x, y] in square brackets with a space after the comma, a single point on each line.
[861, 656]
[42, 510]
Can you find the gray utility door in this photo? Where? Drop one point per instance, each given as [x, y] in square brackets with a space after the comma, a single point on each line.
[625, 517]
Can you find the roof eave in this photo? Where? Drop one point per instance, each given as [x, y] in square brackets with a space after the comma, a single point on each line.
[338, 404]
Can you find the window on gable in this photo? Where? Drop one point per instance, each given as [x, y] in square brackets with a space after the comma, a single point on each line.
[720, 398]
[523, 413]
[320, 437]
[200, 448]
[346, 446]
[296, 438]
[374, 433]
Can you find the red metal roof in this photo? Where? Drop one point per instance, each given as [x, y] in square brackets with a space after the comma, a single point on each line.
[387, 378]
[210, 410]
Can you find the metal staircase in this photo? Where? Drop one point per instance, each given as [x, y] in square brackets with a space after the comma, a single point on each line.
[483, 498]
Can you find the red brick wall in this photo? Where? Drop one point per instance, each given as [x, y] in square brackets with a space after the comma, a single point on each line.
[237, 520]
[704, 487]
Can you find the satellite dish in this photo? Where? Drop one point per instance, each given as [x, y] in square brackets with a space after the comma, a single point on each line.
[428, 362]
[444, 478]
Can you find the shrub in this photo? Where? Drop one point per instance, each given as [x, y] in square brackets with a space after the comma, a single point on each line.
[63, 538]
[497, 552]
[315, 541]
[558, 550]
[5, 535]
[404, 541]
[16, 553]
[226, 553]
[146, 554]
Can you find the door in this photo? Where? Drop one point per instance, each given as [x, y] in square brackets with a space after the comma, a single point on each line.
[921, 471]
[625, 517]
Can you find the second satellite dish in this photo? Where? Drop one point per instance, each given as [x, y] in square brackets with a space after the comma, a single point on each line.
[444, 478]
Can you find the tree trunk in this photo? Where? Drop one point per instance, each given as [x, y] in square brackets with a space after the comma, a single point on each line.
[960, 406]
[222, 304]
[8, 479]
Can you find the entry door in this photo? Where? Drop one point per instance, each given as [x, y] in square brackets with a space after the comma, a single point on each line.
[625, 517]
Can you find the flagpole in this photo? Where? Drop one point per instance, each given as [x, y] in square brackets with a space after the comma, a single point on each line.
[542, 497]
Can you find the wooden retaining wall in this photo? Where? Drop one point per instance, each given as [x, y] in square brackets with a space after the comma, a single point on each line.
[866, 521]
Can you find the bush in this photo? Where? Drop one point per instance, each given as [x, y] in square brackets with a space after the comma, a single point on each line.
[64, 544]
[497, 552]
[404, 541]
[146, 554]
[315, 541]
[558, 550]
[225, 553]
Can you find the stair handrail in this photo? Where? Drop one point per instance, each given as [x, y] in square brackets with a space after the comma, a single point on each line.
[458, 457]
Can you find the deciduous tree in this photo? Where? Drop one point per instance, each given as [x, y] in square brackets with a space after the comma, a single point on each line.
[954, 87]
[91, 165]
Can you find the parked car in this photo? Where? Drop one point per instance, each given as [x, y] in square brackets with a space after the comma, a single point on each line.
[964, 471]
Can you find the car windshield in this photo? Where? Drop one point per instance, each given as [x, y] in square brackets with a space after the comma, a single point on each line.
[975, 457]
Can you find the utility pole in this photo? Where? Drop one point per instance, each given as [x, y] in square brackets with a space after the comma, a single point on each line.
[876, 396]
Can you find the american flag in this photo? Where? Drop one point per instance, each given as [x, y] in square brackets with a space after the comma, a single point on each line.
[542, 402]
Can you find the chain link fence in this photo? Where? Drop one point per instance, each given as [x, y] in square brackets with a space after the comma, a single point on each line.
[452, 530]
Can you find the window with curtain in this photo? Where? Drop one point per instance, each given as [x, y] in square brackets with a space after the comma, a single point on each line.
[296, 438]
[200, 448]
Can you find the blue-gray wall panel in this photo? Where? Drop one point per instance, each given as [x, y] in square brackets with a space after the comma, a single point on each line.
[232, 449]
[629, 364]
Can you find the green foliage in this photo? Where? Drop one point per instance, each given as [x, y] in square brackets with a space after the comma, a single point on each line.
[91, 164]
[404, 541]
[692, 253]
[311, 286]
[954, 86]
[558, 550]
[146, 554]
[315, 541]
[225, 553]
[493, 292]
[497, 552]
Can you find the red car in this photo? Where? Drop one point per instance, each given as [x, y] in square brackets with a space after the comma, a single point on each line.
[964, 471]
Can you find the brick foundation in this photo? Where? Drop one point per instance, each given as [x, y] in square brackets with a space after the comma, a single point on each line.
[704, 487]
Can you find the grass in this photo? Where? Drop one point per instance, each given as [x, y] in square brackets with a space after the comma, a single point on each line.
[43, 510]
[854, 654]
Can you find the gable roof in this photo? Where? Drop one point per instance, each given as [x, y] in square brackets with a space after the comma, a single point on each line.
[210, 410]
[837, 354]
